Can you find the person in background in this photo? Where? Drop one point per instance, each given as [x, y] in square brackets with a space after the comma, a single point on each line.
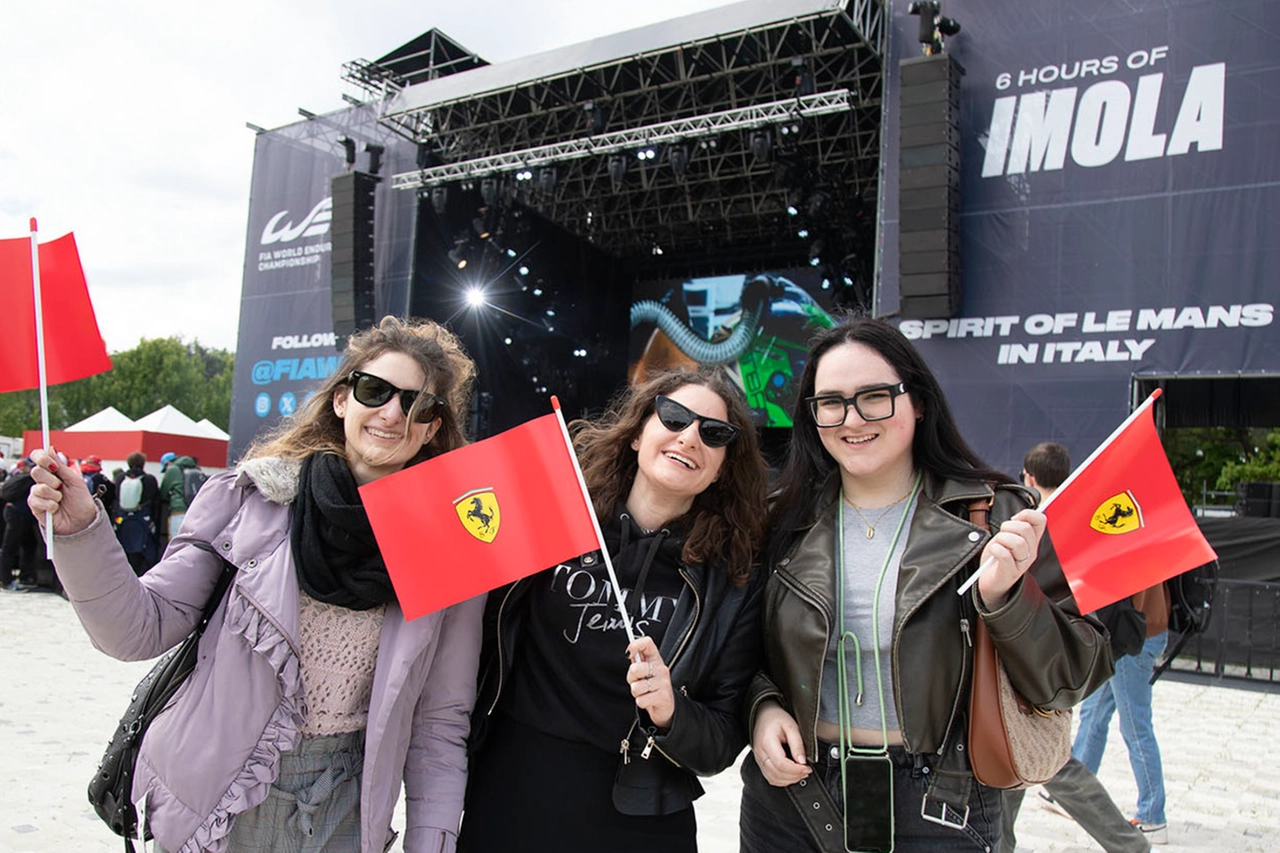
[312, 701]
[18, 551]
[97, 481]
[581, 748]
[173, 494]
[133, 514]
[868, 646]
[1075, 791]
[1129, 692]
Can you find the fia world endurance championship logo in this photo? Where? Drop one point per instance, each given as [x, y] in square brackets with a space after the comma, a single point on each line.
[478, 512]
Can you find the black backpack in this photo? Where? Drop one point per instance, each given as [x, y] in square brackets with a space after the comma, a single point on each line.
[1191, 597]
[192, 480]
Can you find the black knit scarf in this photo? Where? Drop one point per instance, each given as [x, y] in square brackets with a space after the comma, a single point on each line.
[337, 558]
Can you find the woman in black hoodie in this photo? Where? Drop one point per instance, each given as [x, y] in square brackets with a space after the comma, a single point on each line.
[581, 741]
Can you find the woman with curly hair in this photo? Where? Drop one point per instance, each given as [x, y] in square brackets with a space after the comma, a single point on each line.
[585, 742]
[313, 699]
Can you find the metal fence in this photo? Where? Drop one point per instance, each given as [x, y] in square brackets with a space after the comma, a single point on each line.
[1243, 637]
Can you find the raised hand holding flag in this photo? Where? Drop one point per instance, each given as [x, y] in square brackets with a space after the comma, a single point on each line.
[1119, 523]
[31, 358]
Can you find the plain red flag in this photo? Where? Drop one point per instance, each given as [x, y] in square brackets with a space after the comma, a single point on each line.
[481, 516]
[1119, 523]
[72, 344]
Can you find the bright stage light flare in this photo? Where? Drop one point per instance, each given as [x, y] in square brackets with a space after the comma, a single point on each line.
[475, 297]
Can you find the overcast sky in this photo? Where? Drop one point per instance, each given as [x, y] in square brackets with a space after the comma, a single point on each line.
[125, 121]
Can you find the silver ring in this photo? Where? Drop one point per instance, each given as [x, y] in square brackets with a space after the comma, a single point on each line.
[650, 675]
[766, 759]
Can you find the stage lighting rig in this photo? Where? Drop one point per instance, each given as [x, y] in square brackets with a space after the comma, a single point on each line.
[595, 118]
[802, 78]
[761, 144]
[349, 146]
[678, 157]
[440, 200]
[617, 170]
[933, 25]
[375, 153]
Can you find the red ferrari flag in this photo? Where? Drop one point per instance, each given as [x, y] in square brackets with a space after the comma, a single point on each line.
[1119, 523]
[481, 516]
[73, 346]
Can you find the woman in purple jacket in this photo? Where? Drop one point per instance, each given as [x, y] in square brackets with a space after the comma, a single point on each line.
[313, 699]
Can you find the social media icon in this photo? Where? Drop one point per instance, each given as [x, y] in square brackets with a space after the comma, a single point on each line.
[262, 405]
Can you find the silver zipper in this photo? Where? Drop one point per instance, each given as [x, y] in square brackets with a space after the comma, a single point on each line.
[804, 595]
[501, 609]
[697, 611]
[955, 706]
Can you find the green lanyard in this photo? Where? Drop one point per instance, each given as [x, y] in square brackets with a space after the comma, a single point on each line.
[845, 711]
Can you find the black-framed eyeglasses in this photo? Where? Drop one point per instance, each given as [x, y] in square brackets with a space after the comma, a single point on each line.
[675, 417]
[374, 392]
[872, 404]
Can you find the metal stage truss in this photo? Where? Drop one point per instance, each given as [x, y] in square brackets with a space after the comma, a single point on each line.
[734, 127]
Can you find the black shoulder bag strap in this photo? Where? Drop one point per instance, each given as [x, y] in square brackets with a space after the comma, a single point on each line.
[150, 698]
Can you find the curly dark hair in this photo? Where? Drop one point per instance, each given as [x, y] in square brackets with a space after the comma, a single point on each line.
[937, 448]
[450, 373]
[726, 521]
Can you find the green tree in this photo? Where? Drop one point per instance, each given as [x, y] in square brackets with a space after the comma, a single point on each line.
[192, 378]
[1262, 466]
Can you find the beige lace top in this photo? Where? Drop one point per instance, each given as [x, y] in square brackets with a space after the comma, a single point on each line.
[338, 648]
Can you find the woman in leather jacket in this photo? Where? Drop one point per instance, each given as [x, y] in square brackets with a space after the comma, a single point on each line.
[581, 741]
[868, 646]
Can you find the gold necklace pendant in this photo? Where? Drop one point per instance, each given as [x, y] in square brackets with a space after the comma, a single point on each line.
[871, 525]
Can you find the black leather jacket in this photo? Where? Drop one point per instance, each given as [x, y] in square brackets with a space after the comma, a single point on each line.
[1054, 656]
[712, 646]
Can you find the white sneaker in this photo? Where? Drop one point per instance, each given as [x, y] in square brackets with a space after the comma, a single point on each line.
[1048, 802]
[1155, 833]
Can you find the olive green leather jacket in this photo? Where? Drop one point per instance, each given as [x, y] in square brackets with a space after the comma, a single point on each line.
[1054, 656]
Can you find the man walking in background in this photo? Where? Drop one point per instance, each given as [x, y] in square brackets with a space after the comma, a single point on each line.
[1075, 791]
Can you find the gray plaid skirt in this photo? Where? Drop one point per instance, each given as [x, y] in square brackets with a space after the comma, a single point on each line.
[313, 806]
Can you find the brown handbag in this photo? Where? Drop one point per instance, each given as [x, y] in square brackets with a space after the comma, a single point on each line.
[1012, 743]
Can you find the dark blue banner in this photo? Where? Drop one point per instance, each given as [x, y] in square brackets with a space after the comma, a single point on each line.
[286, 342]
[1120, 196]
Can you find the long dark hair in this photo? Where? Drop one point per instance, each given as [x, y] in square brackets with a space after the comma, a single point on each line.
[727, 519]
[937, 448]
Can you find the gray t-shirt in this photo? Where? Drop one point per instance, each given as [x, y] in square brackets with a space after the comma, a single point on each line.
[863, 558]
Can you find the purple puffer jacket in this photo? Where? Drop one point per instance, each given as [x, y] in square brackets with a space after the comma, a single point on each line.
[215, 753]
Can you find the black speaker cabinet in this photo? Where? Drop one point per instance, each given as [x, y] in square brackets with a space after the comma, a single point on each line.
[352, 285]
[929, 186]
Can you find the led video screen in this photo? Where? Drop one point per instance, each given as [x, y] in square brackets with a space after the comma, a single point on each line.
[756, 325]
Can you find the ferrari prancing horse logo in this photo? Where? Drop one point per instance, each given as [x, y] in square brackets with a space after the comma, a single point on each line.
[1117, 514]
[478, 512]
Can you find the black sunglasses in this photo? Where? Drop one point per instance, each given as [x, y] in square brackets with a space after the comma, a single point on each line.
[675, 417]
[374, 392]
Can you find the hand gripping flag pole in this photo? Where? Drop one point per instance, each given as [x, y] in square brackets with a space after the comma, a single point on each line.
[40, 367]
[595, 522]
[1138, 412]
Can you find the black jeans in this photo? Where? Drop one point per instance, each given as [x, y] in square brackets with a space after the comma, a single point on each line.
[18, 553]
[769, 822]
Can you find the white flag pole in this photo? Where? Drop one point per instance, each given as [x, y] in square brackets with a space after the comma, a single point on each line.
[40, 368]
[595, 523]
[1146, 404]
